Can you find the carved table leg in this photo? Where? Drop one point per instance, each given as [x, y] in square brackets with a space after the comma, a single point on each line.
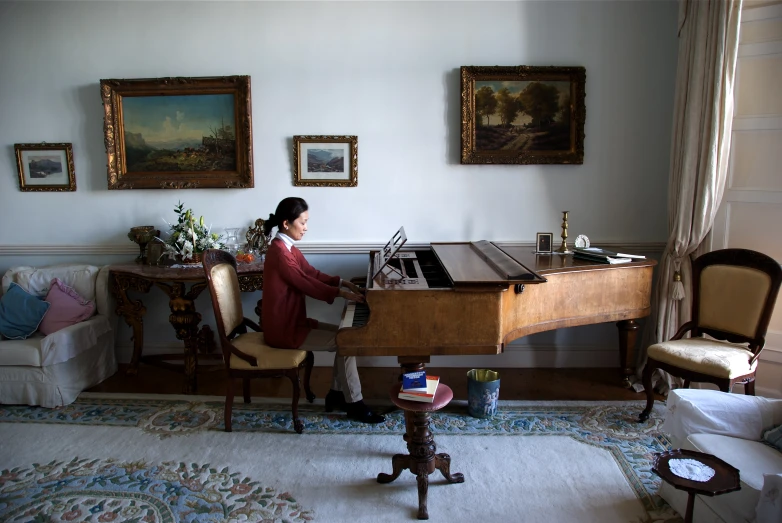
[185, 319]
[422, 459]
[132, 311]
[628, 332]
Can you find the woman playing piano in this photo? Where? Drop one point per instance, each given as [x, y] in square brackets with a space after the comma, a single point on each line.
[287, 279]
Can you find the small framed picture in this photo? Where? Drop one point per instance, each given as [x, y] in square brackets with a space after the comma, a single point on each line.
[325, 161]
[544, 241]
[45, 166]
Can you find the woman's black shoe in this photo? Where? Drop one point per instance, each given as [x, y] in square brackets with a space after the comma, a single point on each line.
[335, 400]
[360, 412]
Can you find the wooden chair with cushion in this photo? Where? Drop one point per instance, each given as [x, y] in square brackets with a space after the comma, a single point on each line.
[245, 354]
[734, 292]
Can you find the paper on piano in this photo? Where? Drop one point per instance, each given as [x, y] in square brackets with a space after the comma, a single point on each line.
[604, 252]
[614, 261]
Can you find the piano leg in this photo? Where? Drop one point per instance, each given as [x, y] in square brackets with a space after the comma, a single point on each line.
[628, 332]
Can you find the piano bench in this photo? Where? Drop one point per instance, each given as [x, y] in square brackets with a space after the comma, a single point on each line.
[423, 458]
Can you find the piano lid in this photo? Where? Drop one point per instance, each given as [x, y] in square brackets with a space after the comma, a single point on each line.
[482, 263]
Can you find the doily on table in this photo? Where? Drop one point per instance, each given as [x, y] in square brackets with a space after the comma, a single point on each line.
[691, 469]
[188, 266]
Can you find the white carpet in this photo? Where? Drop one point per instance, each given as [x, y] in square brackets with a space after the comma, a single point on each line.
[332, 477]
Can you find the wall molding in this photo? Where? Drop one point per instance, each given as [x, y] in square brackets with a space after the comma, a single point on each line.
[123, 249]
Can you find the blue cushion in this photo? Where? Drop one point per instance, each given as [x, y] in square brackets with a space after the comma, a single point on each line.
[20, 313]
[774, 437]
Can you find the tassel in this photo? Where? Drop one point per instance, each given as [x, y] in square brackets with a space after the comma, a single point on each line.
[677, 293]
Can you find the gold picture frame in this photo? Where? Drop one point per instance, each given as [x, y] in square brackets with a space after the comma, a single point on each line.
[178, 133]
[325, 161]
[45, 167]
[523, 114]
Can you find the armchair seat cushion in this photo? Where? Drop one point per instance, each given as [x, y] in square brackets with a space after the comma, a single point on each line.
[253, 344]
[715, 358]
[58, 347]
[754, 460]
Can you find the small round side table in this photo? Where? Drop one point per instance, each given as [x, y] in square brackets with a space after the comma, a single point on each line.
[725, 479]
[423, 458]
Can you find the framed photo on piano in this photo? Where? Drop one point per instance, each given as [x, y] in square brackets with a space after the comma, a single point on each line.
[544, 242]
[523, 114]
[325, 161]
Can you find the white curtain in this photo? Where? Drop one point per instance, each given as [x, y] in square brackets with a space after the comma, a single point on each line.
[703, 114]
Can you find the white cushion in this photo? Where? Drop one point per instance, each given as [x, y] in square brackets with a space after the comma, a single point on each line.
[693, 411]
[57, 347]
[21, 352]
[752, 458]
[38, 280]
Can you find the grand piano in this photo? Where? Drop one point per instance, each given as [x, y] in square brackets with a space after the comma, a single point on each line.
[475, 298]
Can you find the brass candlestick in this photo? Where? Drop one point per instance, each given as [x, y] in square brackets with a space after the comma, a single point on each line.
[563, 248]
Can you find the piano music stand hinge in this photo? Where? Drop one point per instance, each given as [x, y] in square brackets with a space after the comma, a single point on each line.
[518, 288]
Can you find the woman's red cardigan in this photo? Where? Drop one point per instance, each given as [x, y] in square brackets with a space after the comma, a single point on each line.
[287, 279]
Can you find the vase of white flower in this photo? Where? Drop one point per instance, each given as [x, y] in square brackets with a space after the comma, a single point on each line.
[189, 238]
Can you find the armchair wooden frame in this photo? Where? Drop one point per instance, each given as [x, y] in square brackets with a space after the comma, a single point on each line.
[732, 257]
[215, 257]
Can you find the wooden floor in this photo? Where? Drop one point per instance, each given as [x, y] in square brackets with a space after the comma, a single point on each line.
[515, 384]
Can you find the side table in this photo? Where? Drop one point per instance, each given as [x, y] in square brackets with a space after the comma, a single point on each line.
[184, 317]
[725, 479]
[423, 458]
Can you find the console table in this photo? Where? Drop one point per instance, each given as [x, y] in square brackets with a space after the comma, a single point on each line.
[184, 317]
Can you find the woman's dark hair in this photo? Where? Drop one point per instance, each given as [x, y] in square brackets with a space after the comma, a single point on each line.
[288, 209]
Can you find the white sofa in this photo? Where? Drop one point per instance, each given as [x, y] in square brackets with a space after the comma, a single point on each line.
[52, 370]
[731, 427]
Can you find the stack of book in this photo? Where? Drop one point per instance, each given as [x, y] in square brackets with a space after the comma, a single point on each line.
[417, 386]
[596, 254]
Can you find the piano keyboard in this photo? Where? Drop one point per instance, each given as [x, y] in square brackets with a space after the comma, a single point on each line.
[356, 315]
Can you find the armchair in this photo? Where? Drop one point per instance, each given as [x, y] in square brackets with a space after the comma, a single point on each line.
[729, 426]
[52, 370]
[734, 292]
[245, 354]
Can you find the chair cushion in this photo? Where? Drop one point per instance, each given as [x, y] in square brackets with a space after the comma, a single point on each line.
[253, 344]
[712, 357]
[67, 308]
[20, 313]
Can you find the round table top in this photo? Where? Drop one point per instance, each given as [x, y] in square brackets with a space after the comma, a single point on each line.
[726, 476]
[442, 397]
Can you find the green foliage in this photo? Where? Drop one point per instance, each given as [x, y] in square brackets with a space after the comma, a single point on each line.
[541, 102]
[485, 103]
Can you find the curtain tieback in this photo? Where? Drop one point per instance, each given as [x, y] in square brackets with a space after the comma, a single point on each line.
[677, 292]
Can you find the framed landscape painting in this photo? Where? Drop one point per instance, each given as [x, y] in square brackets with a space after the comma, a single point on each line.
[325, 161]
[178, 133]
[45, 166]
[523, 114]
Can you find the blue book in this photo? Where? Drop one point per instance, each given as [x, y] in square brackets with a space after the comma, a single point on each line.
[414, 381]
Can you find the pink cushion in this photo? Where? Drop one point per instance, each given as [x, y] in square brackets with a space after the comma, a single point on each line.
[67, 308]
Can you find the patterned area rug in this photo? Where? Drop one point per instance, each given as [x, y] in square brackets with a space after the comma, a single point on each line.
[142, 486]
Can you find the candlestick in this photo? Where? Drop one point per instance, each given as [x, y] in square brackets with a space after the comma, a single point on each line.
[563, 248]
